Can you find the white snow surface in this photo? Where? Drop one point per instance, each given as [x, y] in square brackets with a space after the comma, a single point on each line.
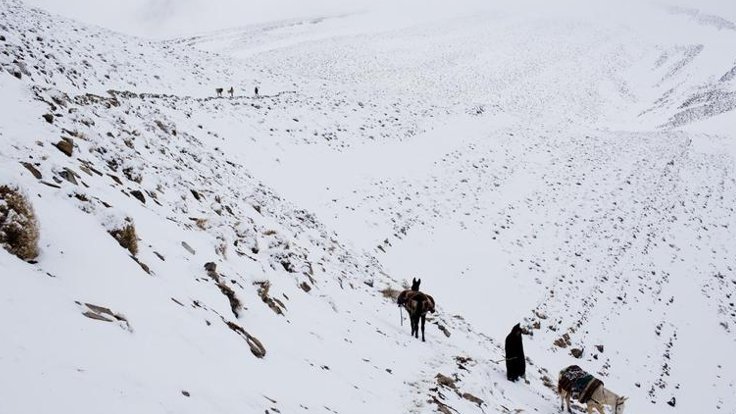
[568, 166]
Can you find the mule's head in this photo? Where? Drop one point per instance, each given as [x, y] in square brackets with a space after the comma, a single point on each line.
[415, 284]
[618, 408]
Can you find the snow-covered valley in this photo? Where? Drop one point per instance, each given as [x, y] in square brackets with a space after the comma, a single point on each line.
[570, 168]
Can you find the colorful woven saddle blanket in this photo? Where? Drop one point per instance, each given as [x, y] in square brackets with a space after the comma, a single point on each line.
[579, 383]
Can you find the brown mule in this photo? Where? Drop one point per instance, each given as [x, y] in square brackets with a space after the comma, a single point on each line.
[417, 304]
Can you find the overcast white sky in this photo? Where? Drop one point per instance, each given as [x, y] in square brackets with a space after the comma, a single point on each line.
[171, 18]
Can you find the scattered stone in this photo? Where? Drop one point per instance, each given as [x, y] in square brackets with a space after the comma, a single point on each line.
[672, 402]
[563, 342]
[96, 316]
[50, 184]
[104, 314]
[196, 195]
[446, 381]
[472, 398]
[225, 289]
[188, 247]
[115, 178]
[547, 382]
[185, 393]
[69, 175]
[66, 145]
[599, 348]
[137, 194]
[444, 330]
[256, 347]
[576, 352]
[276, 305]
[32, 169]
[142, 265]
[305, 286]
[49, 118]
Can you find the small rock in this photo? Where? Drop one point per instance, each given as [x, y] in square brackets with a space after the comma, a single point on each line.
[446, 381]
[599, 348]
[560, 342]
[576, 352]
[49, 118]
[185, 393]
[32, 169]
[188, 247]
[23, 68]
[66, 145]
[210, 267]
[137, 194]
[69, 175]
[672, 402]
[472, 398]
[305, 286]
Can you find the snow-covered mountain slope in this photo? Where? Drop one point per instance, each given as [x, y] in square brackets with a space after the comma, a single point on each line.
[571, 169]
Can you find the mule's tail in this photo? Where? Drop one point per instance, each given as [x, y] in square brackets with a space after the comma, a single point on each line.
[559, 382]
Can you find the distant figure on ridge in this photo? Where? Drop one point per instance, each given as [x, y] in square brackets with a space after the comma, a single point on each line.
[515, 362]
[256, 91]
[231, 91]
[219, 92]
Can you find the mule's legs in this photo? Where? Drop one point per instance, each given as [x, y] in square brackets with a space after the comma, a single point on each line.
[424, 319]
[568, 396]
[562, 401]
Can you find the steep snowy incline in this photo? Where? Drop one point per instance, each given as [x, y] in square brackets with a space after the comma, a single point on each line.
[557, 191]
[231, 298]
[572, 169]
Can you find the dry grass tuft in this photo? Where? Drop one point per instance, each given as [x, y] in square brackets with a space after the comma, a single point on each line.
[18, 225]
[390, 293]
[127, 237]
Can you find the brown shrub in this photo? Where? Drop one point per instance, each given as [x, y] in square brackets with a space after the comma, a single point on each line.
[18, 224]
[390, 293]
[127, 237]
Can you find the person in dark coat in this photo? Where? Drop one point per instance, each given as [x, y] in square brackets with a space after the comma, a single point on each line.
[515, 362]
